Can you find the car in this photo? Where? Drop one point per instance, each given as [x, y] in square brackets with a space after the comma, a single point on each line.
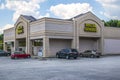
[4, 53]
[67, 53]
[90, 53]
[19, 54]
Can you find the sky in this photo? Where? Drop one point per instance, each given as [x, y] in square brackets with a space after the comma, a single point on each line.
[10, 10]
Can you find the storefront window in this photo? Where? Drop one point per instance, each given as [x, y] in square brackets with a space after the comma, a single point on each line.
[38, 43]
[22, 43]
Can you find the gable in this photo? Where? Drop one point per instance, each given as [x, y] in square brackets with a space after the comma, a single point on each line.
[89, 25]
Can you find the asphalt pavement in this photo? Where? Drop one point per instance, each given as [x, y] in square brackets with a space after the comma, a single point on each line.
[104, 68]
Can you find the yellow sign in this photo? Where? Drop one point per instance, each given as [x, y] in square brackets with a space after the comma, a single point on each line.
[90, 27]
[20, 30]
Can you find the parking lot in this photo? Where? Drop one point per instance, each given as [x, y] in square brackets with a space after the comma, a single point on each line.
[105, 68]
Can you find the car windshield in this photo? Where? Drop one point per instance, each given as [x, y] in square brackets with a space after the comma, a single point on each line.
[74, 50]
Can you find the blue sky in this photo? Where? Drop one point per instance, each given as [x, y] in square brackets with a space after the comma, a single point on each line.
[10, 10]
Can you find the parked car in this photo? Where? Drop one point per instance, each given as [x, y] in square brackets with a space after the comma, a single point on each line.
[4, 53]
[90, 53]
[67, 53]
[19, 54]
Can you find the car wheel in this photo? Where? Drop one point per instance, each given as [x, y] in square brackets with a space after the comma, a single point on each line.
[12, 58]
[98, 56]
[67, 57]
[29, 56]
[15, 57]
[57, 56]
[92, 56]
[75, 57]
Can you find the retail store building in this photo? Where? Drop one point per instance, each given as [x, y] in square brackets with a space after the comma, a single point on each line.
[83, 32]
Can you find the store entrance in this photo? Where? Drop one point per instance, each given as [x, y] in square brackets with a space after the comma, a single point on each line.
[21, 45]
[37, 47]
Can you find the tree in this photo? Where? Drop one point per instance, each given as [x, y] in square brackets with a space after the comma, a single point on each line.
[1, 41]
[118, 24]
[112, 23]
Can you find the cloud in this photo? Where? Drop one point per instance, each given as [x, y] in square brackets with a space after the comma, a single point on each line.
[26, 7]
[2, 6]
[111, 8]
[70, 10]
[5, 27]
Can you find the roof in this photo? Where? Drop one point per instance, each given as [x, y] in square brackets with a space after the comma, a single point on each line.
[30, 18]
[79, 15]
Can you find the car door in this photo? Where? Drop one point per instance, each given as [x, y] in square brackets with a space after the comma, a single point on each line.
[19, 55]
[1, 53]
[86, 53]
[23, 55]
[62, 52]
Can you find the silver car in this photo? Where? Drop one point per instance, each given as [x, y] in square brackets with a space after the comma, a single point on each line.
[90, 53]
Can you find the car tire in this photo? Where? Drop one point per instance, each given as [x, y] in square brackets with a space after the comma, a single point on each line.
[98, 56]
[29, 57]
[15, 57]
[92, 56]
[75, 57]
[12, 58]
[57, 56]
[67, 57]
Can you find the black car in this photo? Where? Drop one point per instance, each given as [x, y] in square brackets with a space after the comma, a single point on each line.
[90, 53]
[4, 53]
[67, 53]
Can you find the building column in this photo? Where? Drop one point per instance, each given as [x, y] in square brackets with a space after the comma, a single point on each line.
[15, 45]
[102, 39]
[77, 37]
[74, 34]
[29, 47]
[102, 45]
[46, 50]
[4, 46]
[77, 44]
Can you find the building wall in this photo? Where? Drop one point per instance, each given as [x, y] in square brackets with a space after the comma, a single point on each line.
[37, 29]
[111, 33]
[9, 34]
[88, 44]
[58, 44]
[56, 27]
[111, 40]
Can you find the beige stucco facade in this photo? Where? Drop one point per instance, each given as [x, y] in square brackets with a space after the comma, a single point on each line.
[54, 34]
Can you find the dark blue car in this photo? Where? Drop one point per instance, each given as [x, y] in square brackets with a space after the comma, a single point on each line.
[4, 53]
[67, 53]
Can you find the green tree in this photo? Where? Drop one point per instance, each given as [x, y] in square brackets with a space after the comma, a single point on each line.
[1, 41]
[112, 23]
[118, 24]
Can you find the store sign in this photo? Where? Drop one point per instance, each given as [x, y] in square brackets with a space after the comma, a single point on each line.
[90, 27]
[20, 30]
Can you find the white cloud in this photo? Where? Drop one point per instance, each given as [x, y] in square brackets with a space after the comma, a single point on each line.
[2, 6]
[5, 27]
[70, 10]
[46, 15]
[26, 7]
[111, 8]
